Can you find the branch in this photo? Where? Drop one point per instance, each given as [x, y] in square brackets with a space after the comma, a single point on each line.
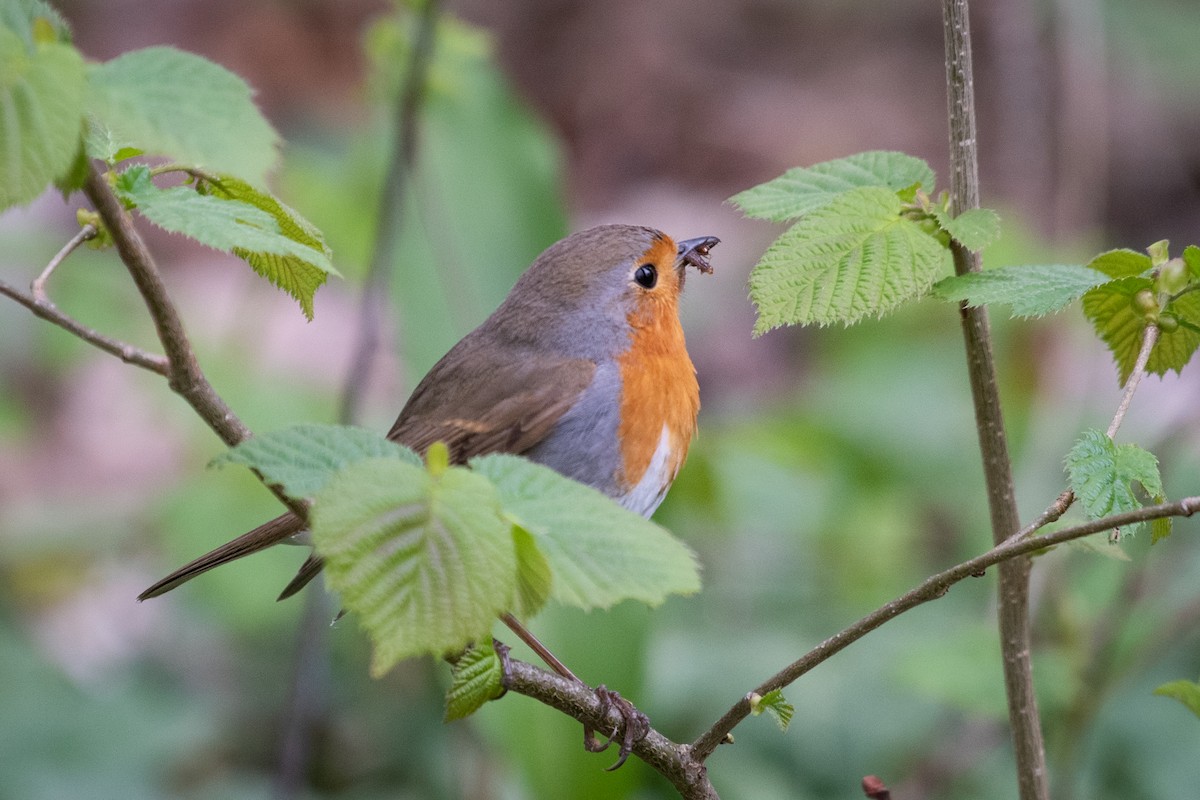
[45, 309]
[1015, 639]
[1149, 338]
[1064, 500]
[38, 287]
[183, 371]
[932, 588]
[678, 763]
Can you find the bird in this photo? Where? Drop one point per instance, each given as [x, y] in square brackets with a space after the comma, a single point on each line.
[582, 368]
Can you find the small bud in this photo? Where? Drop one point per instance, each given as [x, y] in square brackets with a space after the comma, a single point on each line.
[1172, 277]
[437, 459]
[1168, 322]
[1146, 304]
[1159, 252]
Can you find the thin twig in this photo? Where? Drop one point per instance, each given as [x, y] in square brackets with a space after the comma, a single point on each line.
[1064, 500]
[1149, 338]
[122, 350]
[391, 209]
[932, 588]
[38, 287]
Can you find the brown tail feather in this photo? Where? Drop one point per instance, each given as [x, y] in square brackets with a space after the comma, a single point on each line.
[308, 571]
[263, 536]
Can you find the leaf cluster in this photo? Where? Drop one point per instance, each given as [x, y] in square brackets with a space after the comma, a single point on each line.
[867, 238]
[1123, 292]
[154, 102]
[427, 555]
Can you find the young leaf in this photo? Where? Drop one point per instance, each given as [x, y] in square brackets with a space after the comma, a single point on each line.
[1186, 692]
[851, 258]
[167, 102]
[1121, 325]
[774, 703]
[1121, 263]
[42, 96]
[1160, 528]
[427, 563]
[1191, 257]
[476, 677]
[534, 576]
[296, 276]
[1103, 473]
[234, 226]
[598, 552]
[974, 229]
[1030, 291]
[34, 21]
[804, 189]
[301, 459]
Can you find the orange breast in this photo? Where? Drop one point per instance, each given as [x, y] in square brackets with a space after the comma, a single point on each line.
[659, 386]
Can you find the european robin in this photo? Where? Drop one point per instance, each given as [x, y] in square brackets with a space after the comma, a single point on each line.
[582, 368]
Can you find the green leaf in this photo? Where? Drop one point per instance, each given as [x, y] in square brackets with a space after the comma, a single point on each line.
[852, 258]
[476, 677]
[426, 563]
[1102, 474]
[301, 459]
[41, 111]
[252, 232]
[297, 276]
[1186, 692]
[974, 229]
[1030, 291]
[34, 21]
[774, 703]
[598, 552]
[1160, 528]
[802, 190]
[1121, 326]
[534, 576]
[167, 102]
[1191, 257]
[1121, 263]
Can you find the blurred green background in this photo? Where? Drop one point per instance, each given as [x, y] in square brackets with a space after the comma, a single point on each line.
[835, 468]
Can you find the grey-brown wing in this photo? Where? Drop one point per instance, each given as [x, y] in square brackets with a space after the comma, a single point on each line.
[502, 404]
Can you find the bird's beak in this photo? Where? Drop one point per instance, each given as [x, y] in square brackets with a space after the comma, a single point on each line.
[694, 253]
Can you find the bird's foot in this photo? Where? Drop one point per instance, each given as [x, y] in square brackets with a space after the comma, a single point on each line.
[634, 726]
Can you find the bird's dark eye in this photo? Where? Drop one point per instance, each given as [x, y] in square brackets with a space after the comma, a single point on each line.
[646, 276]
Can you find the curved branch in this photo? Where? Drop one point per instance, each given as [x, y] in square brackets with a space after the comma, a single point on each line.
[678, 763]
[183, 373]
[46, 309]
[931, 588]
[391, 208]
[38, 287]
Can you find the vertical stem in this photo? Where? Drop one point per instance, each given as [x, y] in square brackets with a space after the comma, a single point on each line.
[391, 212]
[306, 707]
[1014, 574]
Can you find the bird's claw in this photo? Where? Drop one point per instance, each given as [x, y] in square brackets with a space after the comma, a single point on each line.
[636, 725]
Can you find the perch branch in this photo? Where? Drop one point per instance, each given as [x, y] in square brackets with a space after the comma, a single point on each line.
[932, 588]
